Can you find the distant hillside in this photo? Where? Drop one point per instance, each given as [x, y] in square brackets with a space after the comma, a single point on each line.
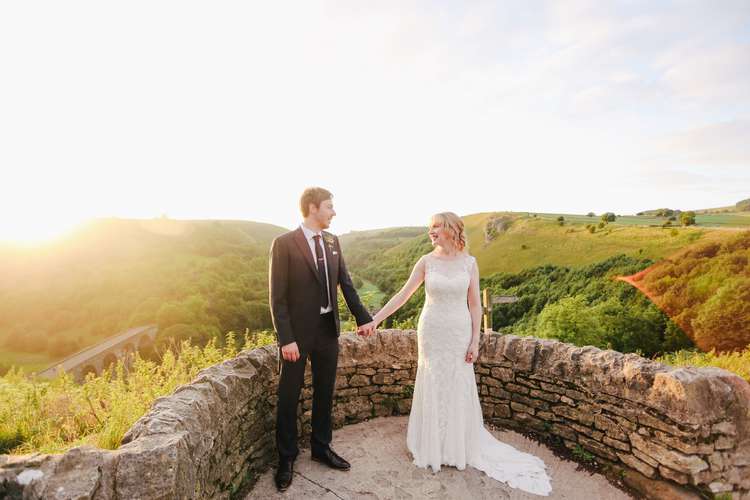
[740, 206]
[196, 279]
[528, 241]
[705, 289]
[360, 246]
[514, 243]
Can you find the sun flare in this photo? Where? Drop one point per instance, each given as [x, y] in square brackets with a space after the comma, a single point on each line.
[32, 232]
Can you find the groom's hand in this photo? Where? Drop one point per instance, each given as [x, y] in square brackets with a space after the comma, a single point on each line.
[290, 352]
[367, 329]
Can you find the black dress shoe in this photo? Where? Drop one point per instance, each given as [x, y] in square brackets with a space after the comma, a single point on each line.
[284, 474]
[332, 460]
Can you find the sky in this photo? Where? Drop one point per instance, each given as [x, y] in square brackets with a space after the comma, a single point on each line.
[228, 110]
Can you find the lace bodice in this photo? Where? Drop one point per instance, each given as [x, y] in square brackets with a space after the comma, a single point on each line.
[447, 281]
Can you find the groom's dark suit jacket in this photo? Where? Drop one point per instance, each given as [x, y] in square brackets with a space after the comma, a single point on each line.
[294, 288]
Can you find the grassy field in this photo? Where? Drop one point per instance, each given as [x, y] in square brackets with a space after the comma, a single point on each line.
[733, 219]
[534, 241]
[30, 361]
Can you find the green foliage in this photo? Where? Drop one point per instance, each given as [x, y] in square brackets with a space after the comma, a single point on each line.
[706, 290]
[208, 276]
[50, 416]
[737, 362]
[585, 306]
[582, 455]
[608, 217]
[687, 218]
[386, 258]
[357, 282]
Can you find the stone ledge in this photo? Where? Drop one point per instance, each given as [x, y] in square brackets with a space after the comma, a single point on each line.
[212, 438]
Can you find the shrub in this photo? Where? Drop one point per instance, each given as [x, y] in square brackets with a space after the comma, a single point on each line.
[51, 416]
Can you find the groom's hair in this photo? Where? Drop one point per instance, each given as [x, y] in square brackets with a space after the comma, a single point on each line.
[314, 195]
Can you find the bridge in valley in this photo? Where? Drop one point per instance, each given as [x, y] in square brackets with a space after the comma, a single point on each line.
[96, 358]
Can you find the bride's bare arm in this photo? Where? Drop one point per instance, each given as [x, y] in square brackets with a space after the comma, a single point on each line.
[398, 300]
[475, 304]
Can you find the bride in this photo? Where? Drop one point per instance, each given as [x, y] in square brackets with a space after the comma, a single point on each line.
[445, 423]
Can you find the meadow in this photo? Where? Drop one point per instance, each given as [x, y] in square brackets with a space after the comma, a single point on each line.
[729, 219]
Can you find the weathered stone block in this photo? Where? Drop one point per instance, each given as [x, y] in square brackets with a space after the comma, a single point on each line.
[582, 415]
[614, 443]
[504, 374]
[685, 445]
[519, 389]
[521, 408]
[550, 397]
[359, 380]
[597, 448]
[491, 382]
[636, 464]
[383, 378]
[534, 403]
[674, 460]
[676, 476]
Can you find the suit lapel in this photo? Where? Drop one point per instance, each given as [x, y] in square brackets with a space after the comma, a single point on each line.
[304, 248]
[333, 266]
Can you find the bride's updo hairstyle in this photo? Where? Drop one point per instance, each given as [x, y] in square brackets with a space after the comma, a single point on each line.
[454, 225]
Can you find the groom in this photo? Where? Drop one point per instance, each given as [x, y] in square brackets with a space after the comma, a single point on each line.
[306, 267]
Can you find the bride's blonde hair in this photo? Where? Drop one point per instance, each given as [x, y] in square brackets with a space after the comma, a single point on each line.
[455, 225]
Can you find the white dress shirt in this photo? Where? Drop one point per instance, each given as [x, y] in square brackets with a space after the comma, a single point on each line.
[309, 233]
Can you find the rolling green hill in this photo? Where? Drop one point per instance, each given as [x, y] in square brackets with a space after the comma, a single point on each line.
[526, 241]
[196, 279]
[532, 241]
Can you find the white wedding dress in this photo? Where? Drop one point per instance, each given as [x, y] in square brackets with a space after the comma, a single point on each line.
[445, 423]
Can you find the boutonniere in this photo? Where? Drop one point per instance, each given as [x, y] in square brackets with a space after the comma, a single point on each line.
[329, 240]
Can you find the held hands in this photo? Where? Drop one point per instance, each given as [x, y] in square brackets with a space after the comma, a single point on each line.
[472, 353]
[367, 329]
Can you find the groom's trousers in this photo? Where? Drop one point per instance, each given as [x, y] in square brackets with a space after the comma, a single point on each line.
[323, 352]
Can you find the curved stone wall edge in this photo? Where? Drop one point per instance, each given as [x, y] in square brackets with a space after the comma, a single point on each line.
[213, 437]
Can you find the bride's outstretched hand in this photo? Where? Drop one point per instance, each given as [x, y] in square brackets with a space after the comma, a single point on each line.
[472, 353]
[367, 329]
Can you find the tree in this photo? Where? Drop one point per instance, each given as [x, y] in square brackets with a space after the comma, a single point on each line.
[687, 218]
[590, 214]
[561, 220]
[728, 310]
[608, 217]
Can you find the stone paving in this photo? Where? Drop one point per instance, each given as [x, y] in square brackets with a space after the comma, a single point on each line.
[382, 469]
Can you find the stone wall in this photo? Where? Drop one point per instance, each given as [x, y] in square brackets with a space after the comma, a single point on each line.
[212, 438]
